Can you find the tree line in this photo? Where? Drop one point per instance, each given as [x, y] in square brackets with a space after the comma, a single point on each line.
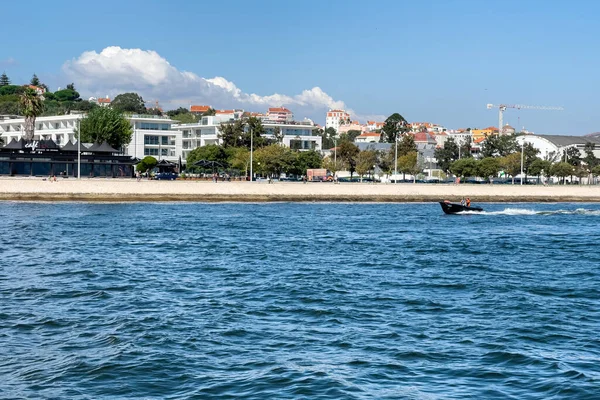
[502, 153]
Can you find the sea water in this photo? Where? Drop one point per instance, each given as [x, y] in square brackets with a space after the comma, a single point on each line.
[299, 300]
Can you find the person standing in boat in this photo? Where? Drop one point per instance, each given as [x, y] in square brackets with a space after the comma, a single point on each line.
[463, 202]
[468, 203]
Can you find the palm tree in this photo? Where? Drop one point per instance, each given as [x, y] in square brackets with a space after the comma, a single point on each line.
[32, 105]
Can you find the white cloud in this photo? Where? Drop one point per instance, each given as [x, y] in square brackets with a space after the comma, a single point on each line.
[115, 70]
[8, 61]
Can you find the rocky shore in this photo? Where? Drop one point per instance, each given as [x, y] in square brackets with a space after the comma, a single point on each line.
[120, 190]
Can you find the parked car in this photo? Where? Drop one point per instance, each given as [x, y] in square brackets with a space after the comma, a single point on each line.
[170, 176]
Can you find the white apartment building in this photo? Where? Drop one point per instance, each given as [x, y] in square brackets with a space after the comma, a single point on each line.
[152, 135]
[334, 117]
[159, 136]
[296, 135]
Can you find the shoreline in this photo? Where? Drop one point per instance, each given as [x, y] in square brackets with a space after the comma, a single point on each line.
[130, 190]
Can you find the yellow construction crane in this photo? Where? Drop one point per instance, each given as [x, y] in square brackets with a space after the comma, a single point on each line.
[503, 107]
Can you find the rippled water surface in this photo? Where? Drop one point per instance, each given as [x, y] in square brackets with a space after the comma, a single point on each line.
[284, 300]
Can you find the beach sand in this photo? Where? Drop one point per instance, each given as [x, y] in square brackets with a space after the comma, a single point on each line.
[116, 190]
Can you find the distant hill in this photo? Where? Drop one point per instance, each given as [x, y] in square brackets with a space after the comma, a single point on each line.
[595, 134]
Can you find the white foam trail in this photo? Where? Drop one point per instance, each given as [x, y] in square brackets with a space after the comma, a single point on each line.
[511, 211]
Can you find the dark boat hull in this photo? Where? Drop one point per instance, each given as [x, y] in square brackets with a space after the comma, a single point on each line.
[453, 208]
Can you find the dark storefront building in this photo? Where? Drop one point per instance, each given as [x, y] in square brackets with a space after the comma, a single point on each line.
[46, 158]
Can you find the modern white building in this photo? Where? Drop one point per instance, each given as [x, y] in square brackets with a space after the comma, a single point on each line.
[160, 137]
[152, 135]
[296, 135]
[333, 119]
[553, 147]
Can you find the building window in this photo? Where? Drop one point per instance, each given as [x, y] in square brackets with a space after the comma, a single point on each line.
[150, 152]
[151, 140]
[164, 152]
[149, 126]
[40, 127]
[57, 125]
[165, 140]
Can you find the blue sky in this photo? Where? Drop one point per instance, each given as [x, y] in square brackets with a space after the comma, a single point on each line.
[436, 61]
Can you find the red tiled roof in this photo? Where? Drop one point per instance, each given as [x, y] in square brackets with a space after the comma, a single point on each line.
[199, 108]
[279, 109]
[104, 100]
[224, 111]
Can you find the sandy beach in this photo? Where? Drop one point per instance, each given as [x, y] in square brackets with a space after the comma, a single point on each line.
[37, 189]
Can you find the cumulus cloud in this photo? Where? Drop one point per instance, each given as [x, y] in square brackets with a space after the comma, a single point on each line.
[116, 70]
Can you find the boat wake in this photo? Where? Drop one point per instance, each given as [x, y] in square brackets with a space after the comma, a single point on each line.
[524, 211]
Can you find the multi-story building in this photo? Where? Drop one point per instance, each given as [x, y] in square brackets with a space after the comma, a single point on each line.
[334, 117]
[280, 115]
[159, 137]
[152, 135]
[296, 135]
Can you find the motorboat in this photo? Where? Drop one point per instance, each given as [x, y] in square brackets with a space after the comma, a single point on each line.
[453, 208]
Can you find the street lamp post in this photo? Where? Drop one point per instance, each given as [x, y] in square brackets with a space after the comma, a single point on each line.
[522, 147]
[251, 151]
[78, 149]
[396, 158]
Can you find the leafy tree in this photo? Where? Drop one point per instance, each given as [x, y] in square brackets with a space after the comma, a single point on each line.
[71, 86]
[147, 164]
[465, 148]
[180, 110]
[446, 155]
[11, 89]
[35, 80]
[210, 112]
[278, 135]
[385, 161]
[573, 156]
[348, 154]
[4, 81]
[539, 167]
[596, 171]
[464, 167]
[393, 126]
[239, 158]
[562, 170]
[590, 158]
[128, 102]
[104, 124]
[85, 105]
[512, 165]
[488, 167]
[407, 145]
[211, 152]
[67, 95]
[305, 160]
[31, 107]
[499, 145]
[409, 164]
[350, 135]
[328, 137]
[333, 165]
[529, 156]
[273, 160]
[9, 107]
[366, 162]
[242, 132]
[188, 118]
